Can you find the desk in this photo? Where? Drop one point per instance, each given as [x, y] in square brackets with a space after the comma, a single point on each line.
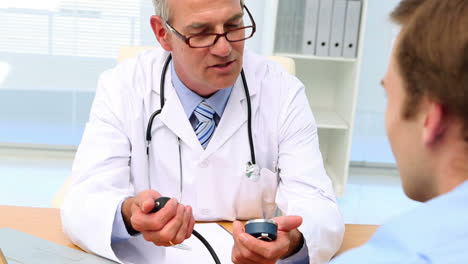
[45, 223]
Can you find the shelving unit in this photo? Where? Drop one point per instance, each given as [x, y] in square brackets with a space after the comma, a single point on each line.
[312, 57]
[331, 87]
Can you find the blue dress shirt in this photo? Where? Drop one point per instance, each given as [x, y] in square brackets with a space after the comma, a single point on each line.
[435, 232]
[191, 100]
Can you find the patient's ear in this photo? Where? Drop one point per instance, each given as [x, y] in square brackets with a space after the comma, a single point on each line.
[160, 31]
[435, 123]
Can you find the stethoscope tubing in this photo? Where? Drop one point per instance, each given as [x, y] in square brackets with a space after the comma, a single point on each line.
[249, 117]
[161, 103]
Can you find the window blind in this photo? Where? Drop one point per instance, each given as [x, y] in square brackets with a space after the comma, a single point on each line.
[70, 27]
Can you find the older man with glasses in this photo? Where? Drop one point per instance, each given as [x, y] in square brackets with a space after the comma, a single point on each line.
[227, 132]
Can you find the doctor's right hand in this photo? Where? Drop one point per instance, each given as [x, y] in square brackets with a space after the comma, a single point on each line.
[169, 226]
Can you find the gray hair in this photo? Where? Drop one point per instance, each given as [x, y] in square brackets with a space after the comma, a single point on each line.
[161, 8]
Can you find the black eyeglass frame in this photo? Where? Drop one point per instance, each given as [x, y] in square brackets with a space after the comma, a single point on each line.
[186, 39]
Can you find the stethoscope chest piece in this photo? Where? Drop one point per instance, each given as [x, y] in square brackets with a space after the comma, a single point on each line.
[252, 171]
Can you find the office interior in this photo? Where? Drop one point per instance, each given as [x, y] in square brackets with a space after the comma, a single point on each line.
[47, 85]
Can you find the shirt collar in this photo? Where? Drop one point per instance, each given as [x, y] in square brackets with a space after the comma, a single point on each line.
[191, 100]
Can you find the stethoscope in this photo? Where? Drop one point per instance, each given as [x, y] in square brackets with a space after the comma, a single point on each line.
[264, 229]
[252, 169]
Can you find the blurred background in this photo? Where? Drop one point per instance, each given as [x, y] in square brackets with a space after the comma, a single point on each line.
[52, 52]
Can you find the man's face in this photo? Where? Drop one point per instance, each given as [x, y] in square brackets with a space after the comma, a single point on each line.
[405, 136]
[206, 70]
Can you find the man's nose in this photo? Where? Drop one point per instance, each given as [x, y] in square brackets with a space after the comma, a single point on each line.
[222, 47]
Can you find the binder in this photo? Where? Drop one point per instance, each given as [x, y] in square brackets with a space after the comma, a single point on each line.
[353, 18]
[291, 26]
[310, 27]
[280, 44]
[287, 25]
[337, 28]
[299, 15]
[324, 26]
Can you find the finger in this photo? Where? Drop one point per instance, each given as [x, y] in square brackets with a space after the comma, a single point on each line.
[238, 258]
[150, 236]
[147, 205]
[234, 255]
[191, 224]
[267, 250]
[169, 231]
[288, 223]
[237, 228]
[244, 254]
[182, 233]
[157, 221]
[146, 199]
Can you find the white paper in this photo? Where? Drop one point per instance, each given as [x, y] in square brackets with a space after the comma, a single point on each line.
[218, 237]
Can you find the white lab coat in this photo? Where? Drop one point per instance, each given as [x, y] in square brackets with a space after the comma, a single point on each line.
[111, 162]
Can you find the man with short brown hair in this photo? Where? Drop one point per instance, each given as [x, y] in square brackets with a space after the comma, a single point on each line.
[426, 122]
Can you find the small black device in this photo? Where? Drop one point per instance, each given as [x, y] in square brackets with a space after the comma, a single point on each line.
[161, 202]
[263, 229]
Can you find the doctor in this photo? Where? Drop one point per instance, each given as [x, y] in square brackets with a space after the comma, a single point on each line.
[229, 134]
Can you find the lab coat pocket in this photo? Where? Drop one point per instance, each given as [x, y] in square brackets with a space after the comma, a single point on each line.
[256, 199]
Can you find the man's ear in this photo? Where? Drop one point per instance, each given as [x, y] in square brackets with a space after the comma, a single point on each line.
[435, 123]
[161, 32]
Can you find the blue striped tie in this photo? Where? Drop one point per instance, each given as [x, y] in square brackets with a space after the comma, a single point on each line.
[206, 126]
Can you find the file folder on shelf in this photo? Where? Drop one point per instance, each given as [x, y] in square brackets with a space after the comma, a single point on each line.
[280, 43]
[337, 28]
[298, 27]
[289, 26]
[310, 26]
[353, 17]
[324, 26]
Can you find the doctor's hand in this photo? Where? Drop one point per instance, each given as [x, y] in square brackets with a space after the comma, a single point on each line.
[248, 249]
[172, 224]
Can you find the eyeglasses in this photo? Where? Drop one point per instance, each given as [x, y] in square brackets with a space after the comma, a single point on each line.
[205, 40]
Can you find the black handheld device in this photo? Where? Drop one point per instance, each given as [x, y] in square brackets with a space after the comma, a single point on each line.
[159, 204]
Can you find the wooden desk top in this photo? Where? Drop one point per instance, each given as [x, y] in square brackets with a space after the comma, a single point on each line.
[41, 222]
[45, 223]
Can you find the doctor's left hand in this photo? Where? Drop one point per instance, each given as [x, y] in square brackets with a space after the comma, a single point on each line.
[248, 249]
[172, 224]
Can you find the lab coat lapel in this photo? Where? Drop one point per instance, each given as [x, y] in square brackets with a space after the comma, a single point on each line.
[174, 117]
[234, 116]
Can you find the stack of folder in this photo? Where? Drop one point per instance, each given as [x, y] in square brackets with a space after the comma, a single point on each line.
[318, 27]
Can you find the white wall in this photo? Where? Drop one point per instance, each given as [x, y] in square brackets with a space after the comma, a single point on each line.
[257, 8]
[369, 139]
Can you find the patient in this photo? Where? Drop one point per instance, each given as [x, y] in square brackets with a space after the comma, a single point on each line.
[427, 126]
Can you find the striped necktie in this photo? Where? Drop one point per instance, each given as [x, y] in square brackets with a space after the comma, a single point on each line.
[206, 125]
